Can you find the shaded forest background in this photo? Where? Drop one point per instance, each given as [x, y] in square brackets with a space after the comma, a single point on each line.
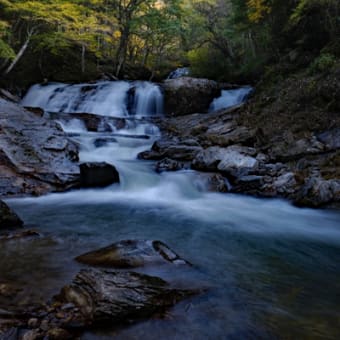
[227, 40]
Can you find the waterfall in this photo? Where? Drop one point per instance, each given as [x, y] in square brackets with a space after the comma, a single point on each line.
[230, 98]
[106, 98]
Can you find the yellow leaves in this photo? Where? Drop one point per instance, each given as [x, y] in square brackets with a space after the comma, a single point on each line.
[117, 34]
[258, 9]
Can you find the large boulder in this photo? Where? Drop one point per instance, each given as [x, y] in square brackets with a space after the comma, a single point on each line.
[105, 296]
[132, 253]
[8, 218]
[98, 174]
[231, 160]
[35, 155]
[189, 95]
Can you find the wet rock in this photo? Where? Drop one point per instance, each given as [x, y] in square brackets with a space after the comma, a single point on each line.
[212, 182]
[98, 174]
[189, 95]
[226, 160]
[172, 150]
[104, 296]
[36, 110]
[132, 253]
[92, 122]
[35, 155]
[250, 184]
[168, 164]
[8, 218]
[19, 235]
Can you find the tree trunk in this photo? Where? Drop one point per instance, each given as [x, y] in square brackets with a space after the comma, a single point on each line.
[20, 53]
[83, 50]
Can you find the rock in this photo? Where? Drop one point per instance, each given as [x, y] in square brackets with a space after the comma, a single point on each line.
[8, 218]
[93, 122]
[229, 160]
[36, 110]
[8, 289]
[187, 95]
[33, 323]
[59, 334]
[164, 149]
[104, 296]
[132, 253]
[35, 155]
[212, 182]
[168, 164]
[99, 174]
[317, 192]
[285, 183]
[229, 136]
[291, 149]
[33, 334]
[250, 184]
[19, 235]
[331, 138]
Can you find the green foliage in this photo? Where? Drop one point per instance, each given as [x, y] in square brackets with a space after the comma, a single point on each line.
[6, 51]
[209, 63]
[323, 63]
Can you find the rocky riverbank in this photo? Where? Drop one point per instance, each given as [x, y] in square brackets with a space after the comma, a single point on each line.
[283, 143]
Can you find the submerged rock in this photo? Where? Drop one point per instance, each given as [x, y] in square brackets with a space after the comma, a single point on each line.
[19, 235]
[8, 218]
[132, 253]
[98, 174]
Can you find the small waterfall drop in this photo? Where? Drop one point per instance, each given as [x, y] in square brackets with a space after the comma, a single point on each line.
[106, 98]
[230, 98]
[179, 72]
[148, 99]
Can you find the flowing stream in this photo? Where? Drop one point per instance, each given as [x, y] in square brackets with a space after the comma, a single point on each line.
[272, 270]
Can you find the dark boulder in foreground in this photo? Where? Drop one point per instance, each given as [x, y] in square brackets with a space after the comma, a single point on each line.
[95, 297]
[98, 174]
[131, 254]
[8, 218]
[114, 296]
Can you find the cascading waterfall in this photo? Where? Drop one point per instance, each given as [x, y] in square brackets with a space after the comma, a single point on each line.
[106, 98]
[230, 98]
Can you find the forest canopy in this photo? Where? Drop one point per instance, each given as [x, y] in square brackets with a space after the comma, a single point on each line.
[220, 39]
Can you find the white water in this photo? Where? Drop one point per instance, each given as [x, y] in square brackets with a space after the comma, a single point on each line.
[107, 98]
[179, 72]
[230, 98]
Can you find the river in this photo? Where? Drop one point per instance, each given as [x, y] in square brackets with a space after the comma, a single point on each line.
[271, 270]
